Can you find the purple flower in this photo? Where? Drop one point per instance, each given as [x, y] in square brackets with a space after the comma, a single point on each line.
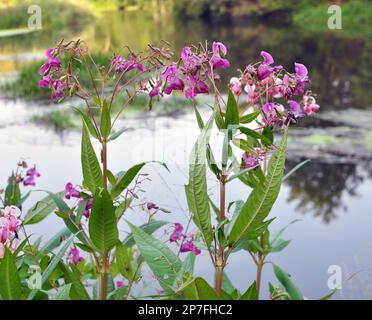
[71, 192]
[249, 160]
[120, 64]
[119, 283]
[177, 233]
[294, 106]
[301, 70]
[219, 52]
[172, 79]
[267, 57]
[268, 107]
[88, 206]
[189, 246]
[52, 62]
[45, 82]
[155, 91]
[31, 175]
[74, 256]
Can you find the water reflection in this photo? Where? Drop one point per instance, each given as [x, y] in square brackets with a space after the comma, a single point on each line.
[319, 188]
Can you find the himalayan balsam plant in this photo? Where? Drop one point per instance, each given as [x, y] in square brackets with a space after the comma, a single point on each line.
[89, 258]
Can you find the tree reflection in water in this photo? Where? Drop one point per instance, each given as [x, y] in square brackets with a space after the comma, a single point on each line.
[318, 188]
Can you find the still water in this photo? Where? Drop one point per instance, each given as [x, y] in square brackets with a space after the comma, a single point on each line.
[331, 198]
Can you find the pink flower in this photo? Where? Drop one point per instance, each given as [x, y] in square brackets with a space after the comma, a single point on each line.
[2, 250]
[189, 246]
[74, 256]
[235, 86]
[219, 52]
[250, 161]
[119, 283]
[301, 70]
[31, 174]
[88, 206]
[311, 109]
[177, 233]
[294, 106]
[267, 57]
[15, 244]
[71, 192]
[121, 65]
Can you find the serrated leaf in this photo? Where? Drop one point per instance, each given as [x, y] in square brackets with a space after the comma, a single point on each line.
[88, 124]
[41, 209]
[249, 117]
[92, 173]
[149, 228]
[262, 198]
[128, 177]
[196, 189]
[10, 283]
[103, 230]
[162, 261]
[232, 110]
[251, 293]
[63, 293]
[105, 125]
[287, 283]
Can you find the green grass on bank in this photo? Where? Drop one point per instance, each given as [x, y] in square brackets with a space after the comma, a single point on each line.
[356, 18]
[26, 83]
[56, 15]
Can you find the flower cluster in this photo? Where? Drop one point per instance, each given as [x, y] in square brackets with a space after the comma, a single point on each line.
[192, 71]
[31, 175]
[187, 241]
[9, 226]
[120, 64]
[28, 178]
[74, 256]
[51, 73]
[73, 192]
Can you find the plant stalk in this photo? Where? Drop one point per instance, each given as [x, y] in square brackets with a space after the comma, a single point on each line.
[220, 263]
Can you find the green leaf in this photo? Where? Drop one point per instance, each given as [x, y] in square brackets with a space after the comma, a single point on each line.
[149, 228]
[267, 137]
[10, 283]
[78, 291]
[244, 145]
[162, 261]
[92, 173]
[63, 293]
[287, 283]
[116, 134]
[293, 170]
[199, 118]
[102, 222]
[51, 266]
[251, 293]
[105, 125]
[41, 209]
[88, 123]
[249, 117]
[196, 189]
[128, 177]
[124, 260]
[232, 110]
[262, 198]
[55, 241]
[199, 289]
